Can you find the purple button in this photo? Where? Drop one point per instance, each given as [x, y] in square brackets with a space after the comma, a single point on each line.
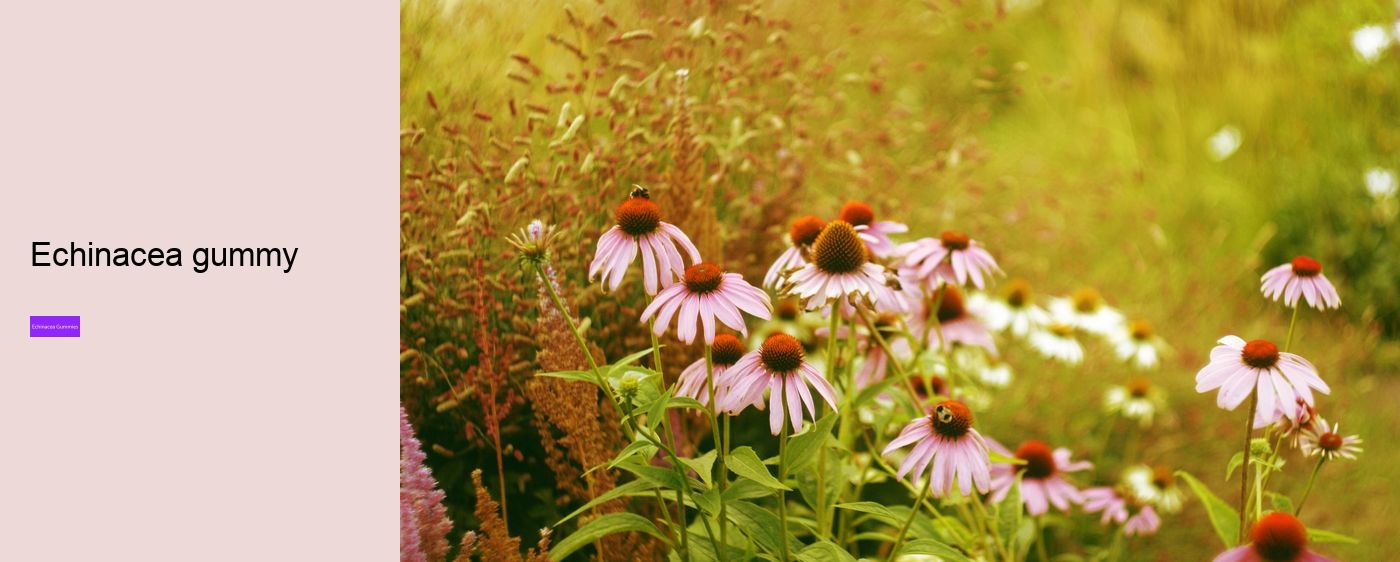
[55, 327]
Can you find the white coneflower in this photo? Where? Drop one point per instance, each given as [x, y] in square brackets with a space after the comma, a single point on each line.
[1086, 310]
[1156, 486]
[1327, 440]
[1137, 344]
[1138, 400]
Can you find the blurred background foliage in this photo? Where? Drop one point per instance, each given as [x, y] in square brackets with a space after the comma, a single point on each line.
[1166, 153]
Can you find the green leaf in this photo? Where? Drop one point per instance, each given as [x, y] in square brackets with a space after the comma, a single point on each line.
[645, 448]
[744, 462]
[802, 449]
[1234, 465]
[663, 477]
[759, 523]
[704, 465]
[879, 511]
[620, 364]
[824, 551]
[685, 402]
[656, 409]
[630, 488]
[1321, 536]
[1003, 459]
[707, 501]
[930, 547]
[745, 490]
[1223, 517]
[601, 527]
[584, 376]
[870, 392]
[1009, 515]
[1280, 502]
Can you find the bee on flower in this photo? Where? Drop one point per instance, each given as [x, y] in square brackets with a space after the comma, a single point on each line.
[948, 447]
[639, 229]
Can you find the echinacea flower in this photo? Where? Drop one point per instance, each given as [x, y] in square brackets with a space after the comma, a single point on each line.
[953, 257]
[1155, 486]
[706, 295]
[640, 228]
[956, 325]
[946, 442]
[1300, 277]
[801, 235]
[1238, 368]
[1276, 537]
[1056, 341]
[777, 366]
[1137, 344]
[1086, 310]
[724, 353]
[1327, 441]
[1138, 400]
[875, 234]
[1289, 428]
[876, 362]
[1042, 483]
[1119, 509]
[1015, 311]
[839, 269]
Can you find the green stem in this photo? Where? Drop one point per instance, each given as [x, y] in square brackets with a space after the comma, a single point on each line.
[914, 510]
[1040, 539]
[1297, 511]
[782, 478]
[823, 526]
[1244, 474]
[722, 450]
[1115, 550]
[991, 530]
[1288, 344]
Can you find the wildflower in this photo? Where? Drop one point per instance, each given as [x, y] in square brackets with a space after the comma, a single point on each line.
[839, 269]
[954, 258]
[801, 235]
[1015, 310]
[1369, 41]
[533, 241]
[1119, 509]
[725, 352]
[1057, 342]
[1041, 481]
[955, 323]
[1238, 368]
[876, 235]
[1326, 440]
[1137, 400]
[705, 295]
[1290, 428]
[947, 442]
[423, 521]
[639, 227]
[876, 363]
[1155, 486]
[1086, 310]
[1136, 343]
[778, 366]
[1276, 537]
[1300, 277]
[1380, 183]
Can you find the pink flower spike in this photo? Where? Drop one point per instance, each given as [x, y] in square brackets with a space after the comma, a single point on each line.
[948, 448]
[779, 367]
[1300, 277]
[1281, 379]
[706, 295]
[639, 229]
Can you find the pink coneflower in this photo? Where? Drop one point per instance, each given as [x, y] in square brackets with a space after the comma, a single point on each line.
[876, 363]
[1326, 440]
[948, 443]
[875, 234]
[958, 326]
[1041, 482]
[1237, 368]
[706, 295]
[840, 269]
[1302, 276]
[1288, 427]
[954, 258]
[639, 227]
[1116, 509]
[778, 366]
[1276, 537]
[724, 353]
[801, 235]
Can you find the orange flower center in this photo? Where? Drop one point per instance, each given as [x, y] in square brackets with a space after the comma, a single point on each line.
[804, 231]
[951, 306]
[1141, 330]
[1040, 460]
[1278, 537]
[1018, 293]
[1162, 477]
[726, 350]
[703, 277]
[638, 216]
[1086, 300]
[781, 353]
[837, 249]
[951, 419]
[1139, 386]
[1260, 354]
[1304, 266]
[1330, 442]
[857, 213]
[954, 240]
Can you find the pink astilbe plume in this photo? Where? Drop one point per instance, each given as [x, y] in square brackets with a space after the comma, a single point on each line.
[423, 522]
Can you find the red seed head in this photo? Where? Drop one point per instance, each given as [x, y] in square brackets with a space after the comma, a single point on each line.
[703, 277]
[1304, 266]
[951, 306]
[804, 230]
[1330, 442]
[1278, 537]
[781, 353]
[727, 350]
[1040, 459]
[837, 249]
[951, 419]
[638, 216]
[1260, 354]
[857, 213]
[954, 240]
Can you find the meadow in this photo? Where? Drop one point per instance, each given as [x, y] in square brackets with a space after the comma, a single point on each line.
[1163, 154]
